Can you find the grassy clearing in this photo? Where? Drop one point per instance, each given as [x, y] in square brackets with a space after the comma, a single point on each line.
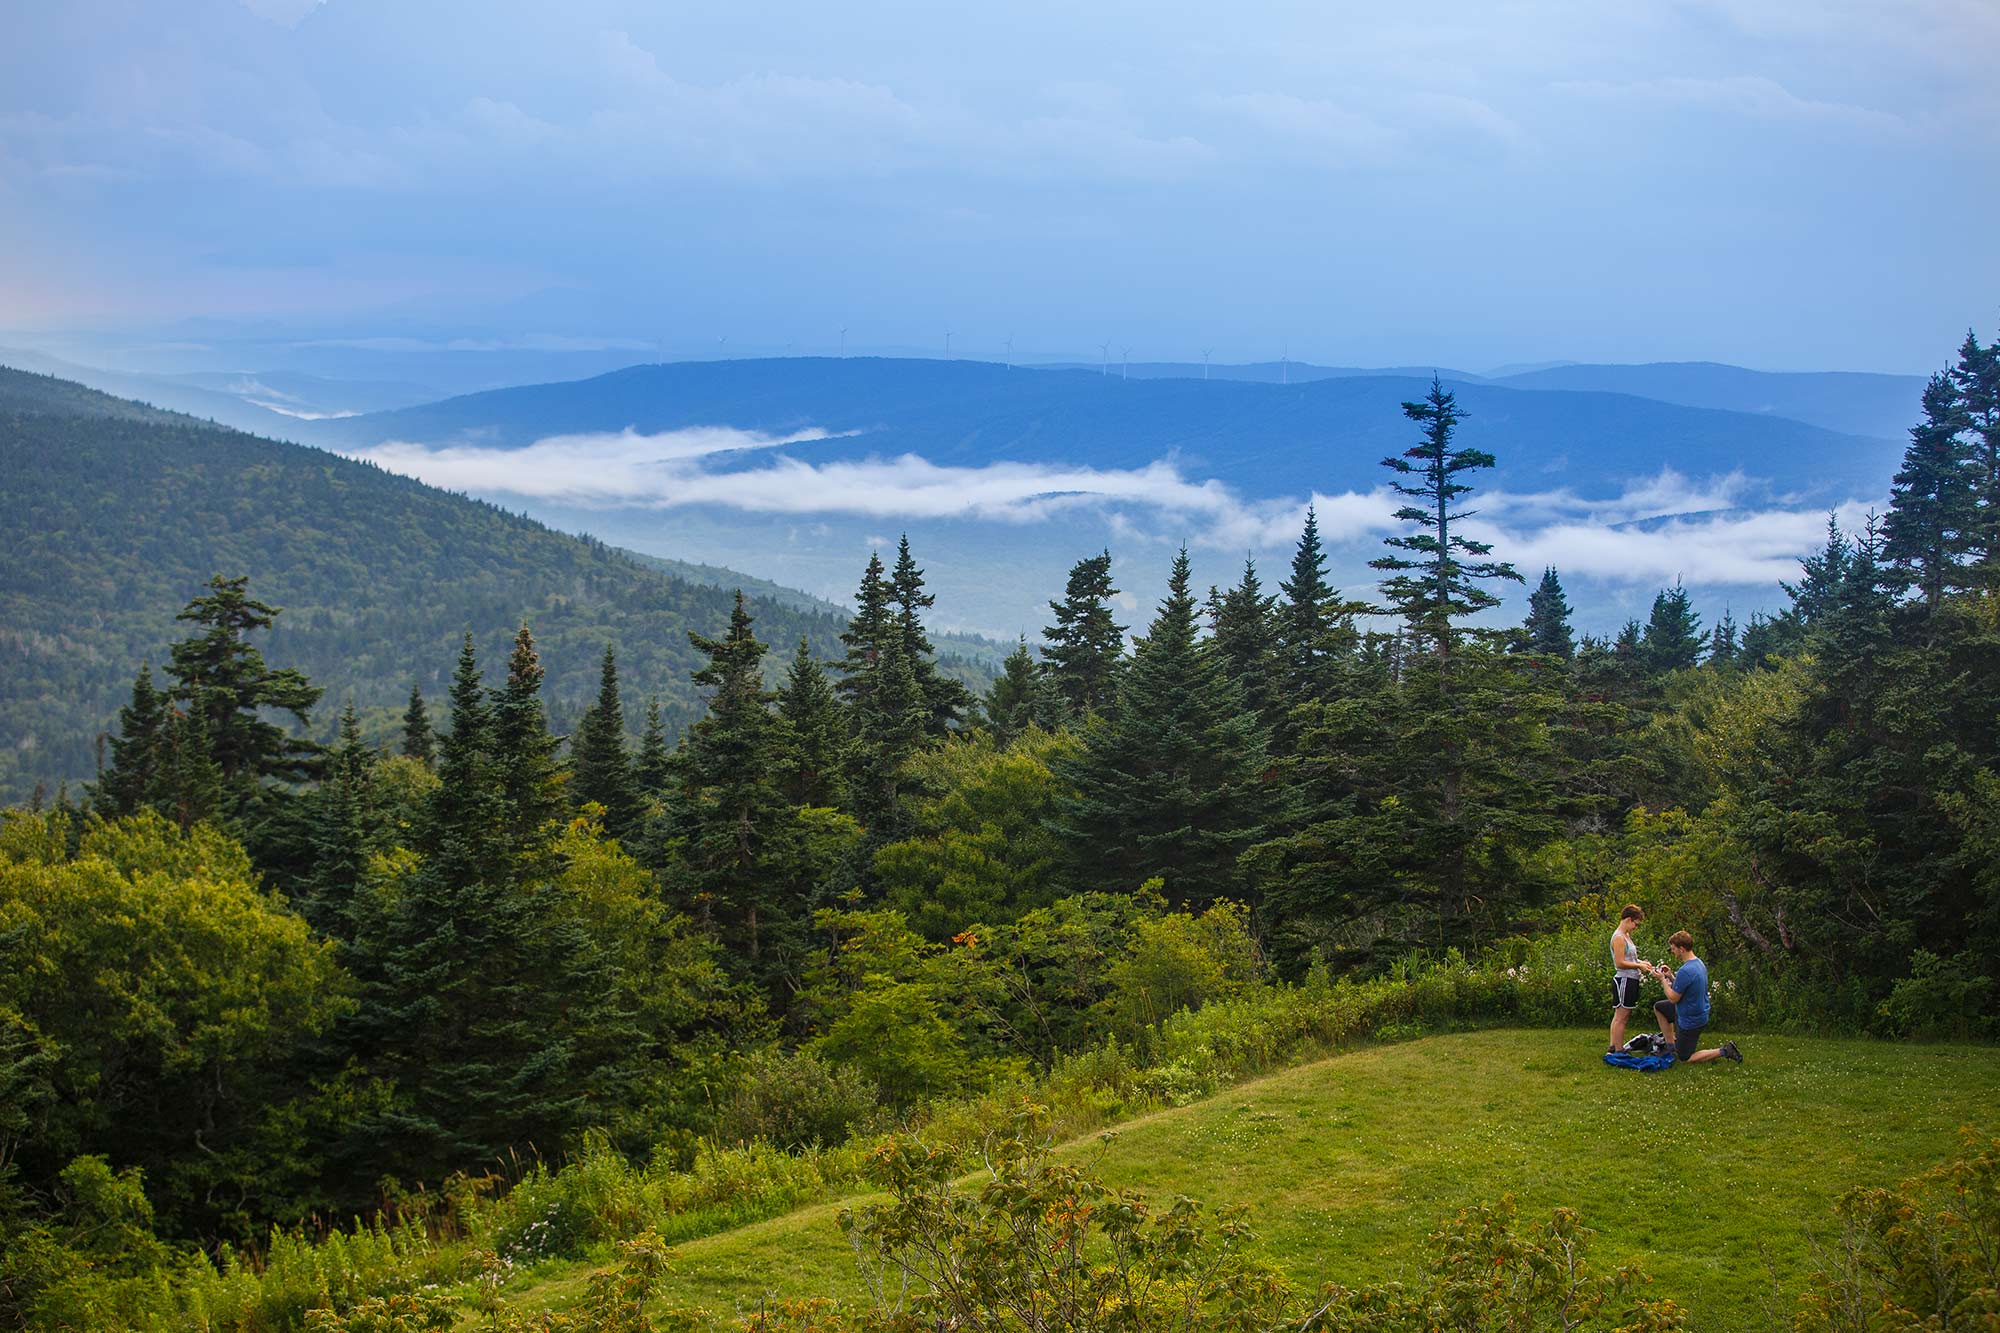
[1706, 1174]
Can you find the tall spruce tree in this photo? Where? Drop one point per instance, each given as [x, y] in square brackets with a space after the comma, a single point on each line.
[1314, 638]
[475, 994]
[1723, 652]
[1933, 515]
[1547, 629]
[1168, 783]
[946, 701]
[524, 753]
[342, 833]
[872, 634]
[812, 734]
[653, 770]
[221, 679]
[732, 816]
[1976, 380]
[1673, 632]
[600, 765]
[1015, 700]
[419, 741]
[141, 753]
[1084, 645]
[1435, 587]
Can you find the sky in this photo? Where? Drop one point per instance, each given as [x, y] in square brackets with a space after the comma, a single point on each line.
[1776, 184]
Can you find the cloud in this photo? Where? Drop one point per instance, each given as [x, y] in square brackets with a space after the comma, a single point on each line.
[1746, 95]
[1655, 529]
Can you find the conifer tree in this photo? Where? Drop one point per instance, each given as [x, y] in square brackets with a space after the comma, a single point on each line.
[1933, 506]
[889, 729]
[732, 817]
[600, 766]
[813, 734]
[195, 790]
[1315, 639]
[1169, 781]
[1723, 652]
[477, 993]
[1243, 629]
[871, 635]
[1817, 593]
[1976, 380]
[221, 680]
[1084, 645]
[1437, 588]
[419, 741]
[141, 753]
[945, 700]
[341, 834]
[654, 768]
[1546, 629]
[1011, 699]
[1673, 633]
[524, 753]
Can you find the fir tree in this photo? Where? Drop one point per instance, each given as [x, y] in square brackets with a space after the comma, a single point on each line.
[654, 769]
[1817, 593]
[600, 766]
[141, 753]
[889, 729]
[419, 741]
[732, 817]
[524, 753]
[1011, 699]
[1313, 629]
[1933, 506]
[1168, 783]
[1546, 629]
[341, 834]
[1673, 633]
[221, 679]
[1723, 652]
[945, 700]
[871, 635]
[813, 734]
[195, 790]
[1437, 588]
[1083, 646]
[1976, 382]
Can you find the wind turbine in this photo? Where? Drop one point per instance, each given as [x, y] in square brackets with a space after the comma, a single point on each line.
[1010, 351]
[721, 348]
[843, 341]
[947, 344]
[1124, 363]
[1104, 363]
[1204, 361]
[1285, 375]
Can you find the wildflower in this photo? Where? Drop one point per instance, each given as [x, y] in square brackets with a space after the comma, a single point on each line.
[1511, 972]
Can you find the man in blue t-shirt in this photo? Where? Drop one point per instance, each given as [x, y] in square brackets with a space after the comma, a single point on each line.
[1684, 1013]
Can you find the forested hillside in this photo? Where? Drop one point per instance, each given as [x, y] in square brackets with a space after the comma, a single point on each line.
[116, 514]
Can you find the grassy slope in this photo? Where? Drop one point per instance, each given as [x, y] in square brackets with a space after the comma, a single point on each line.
[1346, 1164]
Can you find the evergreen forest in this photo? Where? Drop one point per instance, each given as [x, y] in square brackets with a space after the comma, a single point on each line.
[530, 869]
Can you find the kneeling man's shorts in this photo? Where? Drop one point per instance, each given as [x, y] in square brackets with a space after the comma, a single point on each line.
[1686, 1040]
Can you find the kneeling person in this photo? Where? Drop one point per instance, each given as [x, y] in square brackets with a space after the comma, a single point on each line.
[1684, 1013]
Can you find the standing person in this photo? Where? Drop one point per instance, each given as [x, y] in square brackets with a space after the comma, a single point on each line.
[1628, 973]
[1684, 1013]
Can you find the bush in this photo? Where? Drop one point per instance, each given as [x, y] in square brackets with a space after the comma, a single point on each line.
[793, 1099]
[1938, 999]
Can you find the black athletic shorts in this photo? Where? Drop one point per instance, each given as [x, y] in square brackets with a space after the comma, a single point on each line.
[1624, 992]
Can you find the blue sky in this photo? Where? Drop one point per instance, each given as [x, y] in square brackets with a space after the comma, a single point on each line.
[1782, 185]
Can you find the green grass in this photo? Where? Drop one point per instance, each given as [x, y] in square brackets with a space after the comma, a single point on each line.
[1706, 1174]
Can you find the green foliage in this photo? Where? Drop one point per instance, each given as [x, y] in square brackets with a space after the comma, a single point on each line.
[1925, 1255]
[1084, 645]
[1180, 962]
[794, 1099]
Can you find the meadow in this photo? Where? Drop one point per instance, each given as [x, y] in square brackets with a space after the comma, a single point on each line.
[1716, 1179]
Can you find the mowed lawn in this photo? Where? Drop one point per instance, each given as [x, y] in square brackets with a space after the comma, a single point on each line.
[1710, 1175]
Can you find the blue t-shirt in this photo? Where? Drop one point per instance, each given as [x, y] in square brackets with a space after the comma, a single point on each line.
[1691, 983]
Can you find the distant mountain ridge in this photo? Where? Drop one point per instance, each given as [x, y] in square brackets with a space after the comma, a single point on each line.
[1325, 434]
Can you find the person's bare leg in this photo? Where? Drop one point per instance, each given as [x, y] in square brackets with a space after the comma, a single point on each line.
[1619, 1017]
[1701, 1057]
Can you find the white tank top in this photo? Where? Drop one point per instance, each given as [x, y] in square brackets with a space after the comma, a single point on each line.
[1629, 966]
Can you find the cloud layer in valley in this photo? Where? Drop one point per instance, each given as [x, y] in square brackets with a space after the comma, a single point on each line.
[1715, 531]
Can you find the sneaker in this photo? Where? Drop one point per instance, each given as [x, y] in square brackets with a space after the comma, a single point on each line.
[1729, 1052]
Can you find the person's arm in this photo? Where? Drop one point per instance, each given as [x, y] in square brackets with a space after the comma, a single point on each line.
[1667, 980]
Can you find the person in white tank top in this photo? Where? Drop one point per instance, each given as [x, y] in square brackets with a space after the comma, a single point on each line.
[1628, 973]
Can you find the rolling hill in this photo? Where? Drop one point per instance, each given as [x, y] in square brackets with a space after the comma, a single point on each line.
[1711, 1178]
[117, 513]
